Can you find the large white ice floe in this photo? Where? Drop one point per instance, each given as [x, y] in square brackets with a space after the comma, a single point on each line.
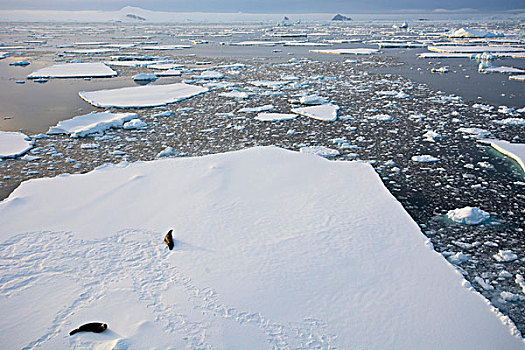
[275, 117]
[515, 151]
[141, 96]
[14, 144]
[326, 255]
[472, 33]
[468, 215]
[475, 49]
[74, 70]
[326, 112]
[96, 122]
[361, 51]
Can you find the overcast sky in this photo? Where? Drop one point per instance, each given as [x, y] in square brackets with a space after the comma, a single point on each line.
[264, 6]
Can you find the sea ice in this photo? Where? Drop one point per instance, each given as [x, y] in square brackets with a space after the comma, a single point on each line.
[471, 33]
[135, 124]
[208, 75]
[505, 256]
[312, 100]
[145, 77]
[274, 117]
[425, 158]
[74, 70]
[264, 108]
[468, 215]
[141, 96]
[511, 121]
[96, 122]
[14, 144]
[361, 51]
[326, 112]
[321, 151]
[515, 151]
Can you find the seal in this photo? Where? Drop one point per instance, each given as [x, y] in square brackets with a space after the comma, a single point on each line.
[95, 327]
[168, 239]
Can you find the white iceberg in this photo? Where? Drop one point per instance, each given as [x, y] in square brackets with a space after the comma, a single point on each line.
[74, 70]
[326, 112]
[14, 144]
[141, 96]
[468, 215]
[326, 257]
[96, 122]
[274, 117]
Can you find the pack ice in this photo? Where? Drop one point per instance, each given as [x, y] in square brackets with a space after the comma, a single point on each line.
[141, 96]
[273, 249]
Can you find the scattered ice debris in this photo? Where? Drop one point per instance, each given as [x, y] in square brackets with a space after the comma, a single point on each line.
[312, 100]
[135, 123]
[321, 151]
[208, 75]
[484, 284]
[475, 132]
[326, 112]
[511, 121]
[361, 51]
[274, 117]
[14, 144]
[504, 274]
[236, 94]
[145, 77]
[96, 122]
[425, 158]
[472, 33]
[468, 215]
[515, 151]
[483, 107]
[457, 258]
[380, 117]
[264, 108]
[487, 68]
[167, 152]
[439, 70]
[141, 96]
[74, 70]
[20, 63]
[505, 256]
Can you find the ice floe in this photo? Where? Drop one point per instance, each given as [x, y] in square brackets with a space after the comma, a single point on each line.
[511, 121]
[361, 51]
[264, 108]
[141, 96]
[312, 100]
[14, 144]
[326, 112]
[74, 70]
[515, 151]
[472, 33]
[274, 117]
[316, 268]
[145, 77]
[96, 122]
[425, 158]
[505, 256]
[135, 123]
[468, 215]
[321, 151]
[474, 49]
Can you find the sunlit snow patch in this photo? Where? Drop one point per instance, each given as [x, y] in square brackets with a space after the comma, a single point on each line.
[74, 70]
[96, 122]
[14, 144]
[326, 112]
[142, 96]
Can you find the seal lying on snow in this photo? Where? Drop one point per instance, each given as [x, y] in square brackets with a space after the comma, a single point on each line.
[95, 327]
[169, 240]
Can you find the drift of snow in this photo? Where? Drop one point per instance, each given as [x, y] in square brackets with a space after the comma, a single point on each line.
[74, 70]
[468, 215]
[274, 117]
[141, 96]
[326, 112]
[96, 122]
[306, 242]
[14, 144]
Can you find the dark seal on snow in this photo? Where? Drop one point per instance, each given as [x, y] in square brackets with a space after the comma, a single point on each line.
[169, 240]
[95, 327]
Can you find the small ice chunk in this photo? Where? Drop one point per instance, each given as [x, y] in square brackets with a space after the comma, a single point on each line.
[425, 158]
[209, 75]
[431, 136]
[326, 112]
[273, 117]
[145, 77]
[235, 94]
[135, 124]
[166, 152]
[380, 117]
[484, 284]
[475, 132]
[163, 114]
[321, 151]
[264, 108]
[458, 258]
[511, 121]
[313, 100]
[508, 296]
[521, 282]
[505, 256]
[83, 125]
[468, 215]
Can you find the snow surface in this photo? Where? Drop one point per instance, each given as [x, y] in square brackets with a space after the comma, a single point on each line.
[468, 215]
[326, 112]
[74, 70]
[274, 117]
[515, 151]
[273, 249]
[14, 144]
[141, 96]
[96, 122]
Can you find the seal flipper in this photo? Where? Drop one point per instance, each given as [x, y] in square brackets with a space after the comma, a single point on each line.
[168, 239]
[73, 331]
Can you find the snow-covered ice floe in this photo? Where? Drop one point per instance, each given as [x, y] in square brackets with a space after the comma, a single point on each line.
[96, 122]
[320, 151]
[326, 112]
[14, 144]
[520, 77]
[360, 51]
[472, 33]
[74, 70]
[275, 117]
[474, 49]
[141, 96]
[468, 215]
[515, 151]
[326, 256]
[425, 158]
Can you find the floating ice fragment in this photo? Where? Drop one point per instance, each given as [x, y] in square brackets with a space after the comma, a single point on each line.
[313, 100]
[326, 112]
[511, 121]
[83, 125]
[458, 258]
[360, 51]
[509, 297]
[505, 256]
[145, 77]
[256, 109]
[475, 132]
[14, 144]
[209, 75]
[380, 117]
[273, 117]
[521, 282]
[425, 158]
[74, 70]
[236, 94]
[135, 124]
[468, 215]
[321, 151]
[431, 136]
[20, 63]
[166, 152]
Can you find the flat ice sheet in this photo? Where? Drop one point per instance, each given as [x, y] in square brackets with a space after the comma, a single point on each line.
[361, 51]
[273, 248]
[87, 124]
[13, 144]
[475, 49]
[326, 112]
[74, 70]
[141, 96]
[274, 117]
[515, 151]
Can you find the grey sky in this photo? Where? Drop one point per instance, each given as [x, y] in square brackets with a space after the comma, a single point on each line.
[264, 6]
